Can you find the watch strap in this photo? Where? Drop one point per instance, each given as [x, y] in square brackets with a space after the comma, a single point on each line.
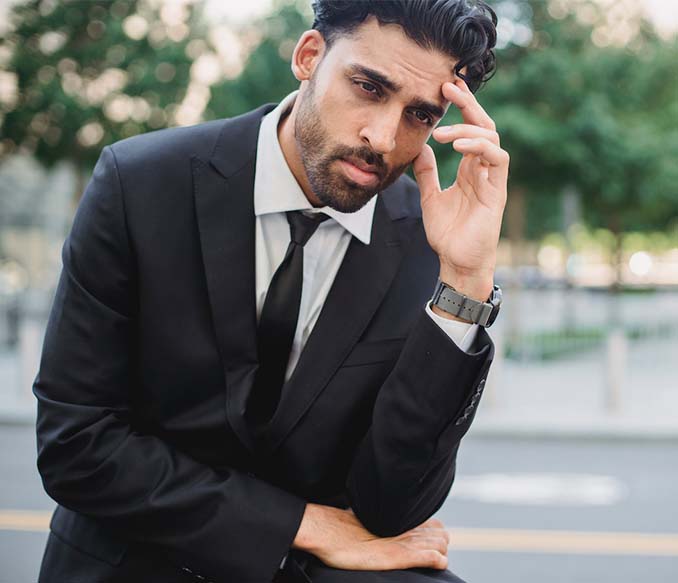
[461, 306]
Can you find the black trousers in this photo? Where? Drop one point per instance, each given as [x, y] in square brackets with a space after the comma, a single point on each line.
[141, 565]
[304, 568]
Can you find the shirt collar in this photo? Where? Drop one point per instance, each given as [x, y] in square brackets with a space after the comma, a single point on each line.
[276, 190]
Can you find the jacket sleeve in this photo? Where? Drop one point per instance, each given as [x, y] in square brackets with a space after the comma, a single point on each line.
[92, 458]
[404, 467]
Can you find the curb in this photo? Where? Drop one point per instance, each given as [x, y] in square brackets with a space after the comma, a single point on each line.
[603, 428]
[17, 416]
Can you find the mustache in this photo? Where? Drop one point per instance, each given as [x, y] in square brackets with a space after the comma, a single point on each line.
[365, 154]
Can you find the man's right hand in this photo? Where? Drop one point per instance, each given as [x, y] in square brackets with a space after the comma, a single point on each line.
[339, 540]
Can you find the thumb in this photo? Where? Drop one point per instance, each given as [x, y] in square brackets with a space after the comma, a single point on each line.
[426, 172]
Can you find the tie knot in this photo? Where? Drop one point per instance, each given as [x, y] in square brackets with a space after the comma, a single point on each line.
[303, 227]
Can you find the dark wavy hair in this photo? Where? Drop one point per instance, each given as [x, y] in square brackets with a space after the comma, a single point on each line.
[463, 29]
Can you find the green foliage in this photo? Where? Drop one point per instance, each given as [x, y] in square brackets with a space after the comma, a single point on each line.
[266, 76]
[91, 72]
[603, 120]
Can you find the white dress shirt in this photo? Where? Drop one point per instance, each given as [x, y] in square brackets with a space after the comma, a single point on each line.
[277, 191]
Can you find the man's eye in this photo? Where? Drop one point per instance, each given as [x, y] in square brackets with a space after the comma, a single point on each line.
[422, 116]
[368, 87]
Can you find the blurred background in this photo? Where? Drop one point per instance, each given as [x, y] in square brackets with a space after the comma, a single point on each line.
[570, 471]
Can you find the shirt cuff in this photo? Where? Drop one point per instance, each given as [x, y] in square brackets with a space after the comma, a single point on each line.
[461, 333]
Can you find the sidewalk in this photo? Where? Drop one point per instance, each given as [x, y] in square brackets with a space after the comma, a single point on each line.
[566, 398]
[561, 399]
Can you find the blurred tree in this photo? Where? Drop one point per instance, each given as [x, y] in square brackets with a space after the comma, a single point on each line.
[577, 111]
[574, 110]
[266, 76]
[633, 184]
[88, 73]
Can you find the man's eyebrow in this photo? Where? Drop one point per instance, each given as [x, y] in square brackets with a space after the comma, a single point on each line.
[431, 108]
[376, 76]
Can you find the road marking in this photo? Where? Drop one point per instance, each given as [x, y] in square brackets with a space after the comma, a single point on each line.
[541, 489]
[475, 539]
[563, 541]
[30, 520]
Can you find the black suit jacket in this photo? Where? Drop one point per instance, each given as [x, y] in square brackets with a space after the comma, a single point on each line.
[150, 352]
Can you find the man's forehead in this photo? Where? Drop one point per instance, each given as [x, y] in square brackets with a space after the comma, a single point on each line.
[388, 51]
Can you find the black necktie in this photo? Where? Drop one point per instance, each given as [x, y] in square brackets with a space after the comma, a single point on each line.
[278, 320]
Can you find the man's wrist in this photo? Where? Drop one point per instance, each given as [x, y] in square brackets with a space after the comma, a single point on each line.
[308, 536]
[476, 285]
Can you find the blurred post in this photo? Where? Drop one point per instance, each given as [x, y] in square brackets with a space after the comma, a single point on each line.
[495, 373]
[31, 331]
[615, 368]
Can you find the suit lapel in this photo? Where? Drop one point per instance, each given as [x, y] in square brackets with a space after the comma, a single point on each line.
[223, 189]
[359, 287]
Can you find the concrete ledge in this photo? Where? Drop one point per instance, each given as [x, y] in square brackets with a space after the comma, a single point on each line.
[592, 427]
[18, 415]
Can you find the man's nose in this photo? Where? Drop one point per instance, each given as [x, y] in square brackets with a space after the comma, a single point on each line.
[380, 131]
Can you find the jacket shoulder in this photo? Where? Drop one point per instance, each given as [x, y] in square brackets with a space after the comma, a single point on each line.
[168, 145]
[170, 149]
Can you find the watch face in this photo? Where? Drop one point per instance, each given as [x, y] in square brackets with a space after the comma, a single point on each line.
[496, 304]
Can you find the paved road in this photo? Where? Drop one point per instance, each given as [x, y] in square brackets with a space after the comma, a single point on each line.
[612, 487]
[505, 490]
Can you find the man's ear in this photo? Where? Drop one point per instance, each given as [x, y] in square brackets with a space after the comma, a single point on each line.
[307, 54]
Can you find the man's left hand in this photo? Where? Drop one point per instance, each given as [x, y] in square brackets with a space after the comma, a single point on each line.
[462, 222]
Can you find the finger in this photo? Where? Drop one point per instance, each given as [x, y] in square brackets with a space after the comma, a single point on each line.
[433, 559]
[480, 172]
[492, 154]
[447, 134]
[429, 528]
[431, 523]
[426, 172]
[436, 543]
[472, 113]
[406, 556]
[434, 530]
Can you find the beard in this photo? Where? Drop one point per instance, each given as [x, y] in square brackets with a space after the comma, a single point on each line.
[319, 158]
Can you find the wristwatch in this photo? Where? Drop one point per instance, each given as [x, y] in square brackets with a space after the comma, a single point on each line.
[474, 312]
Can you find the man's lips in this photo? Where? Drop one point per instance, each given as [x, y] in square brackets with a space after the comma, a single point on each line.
[360, 172]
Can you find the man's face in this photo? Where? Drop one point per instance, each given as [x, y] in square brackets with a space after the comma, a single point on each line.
[369, 107]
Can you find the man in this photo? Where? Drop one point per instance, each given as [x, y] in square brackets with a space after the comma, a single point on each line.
[233, 392]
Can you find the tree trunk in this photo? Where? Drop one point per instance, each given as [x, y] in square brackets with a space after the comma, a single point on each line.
[571, 209]
[614, 320]
[515, 230]
[617, 343]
